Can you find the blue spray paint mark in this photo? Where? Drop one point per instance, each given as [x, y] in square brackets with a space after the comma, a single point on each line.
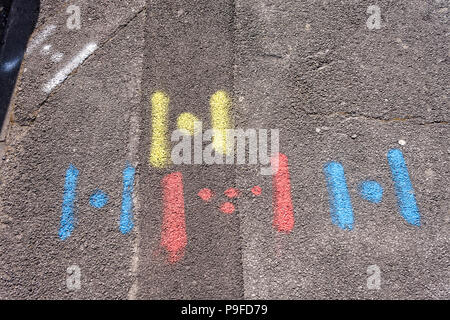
[8, 66]
[70, 193]
[99, 199]
[126, 217]
[340, 202]
[403, 187]
[371, 191]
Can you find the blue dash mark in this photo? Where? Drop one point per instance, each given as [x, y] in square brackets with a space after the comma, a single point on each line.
[126, 216]
[70, 193]
[340, 202]
[403, 187]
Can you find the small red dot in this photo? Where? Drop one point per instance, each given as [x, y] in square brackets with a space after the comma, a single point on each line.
[206, 194]
[231, 192]
[227, 208]
[256, 190]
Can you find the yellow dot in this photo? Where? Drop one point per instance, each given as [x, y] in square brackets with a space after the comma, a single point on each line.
[186, 121]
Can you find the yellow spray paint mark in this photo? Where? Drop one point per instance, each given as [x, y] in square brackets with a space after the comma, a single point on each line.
[220, 104]
[159, 153]
[186, 122]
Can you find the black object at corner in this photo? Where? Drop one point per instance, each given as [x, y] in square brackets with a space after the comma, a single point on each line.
[18, 19]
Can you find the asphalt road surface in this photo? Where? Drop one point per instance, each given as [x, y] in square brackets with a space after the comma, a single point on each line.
[94, 206]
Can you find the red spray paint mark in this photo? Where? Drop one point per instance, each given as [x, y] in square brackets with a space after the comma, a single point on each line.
[205, 194]
[173, 234]
[227, 208]
[256, 190]
[283, 219]
[232, 192]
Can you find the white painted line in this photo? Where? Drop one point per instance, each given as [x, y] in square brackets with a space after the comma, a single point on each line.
[40, 38]
[64, 72]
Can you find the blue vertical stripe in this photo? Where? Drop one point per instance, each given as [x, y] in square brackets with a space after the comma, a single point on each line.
[126, 217]
[403, 187]
[67, 223]
[340, 202]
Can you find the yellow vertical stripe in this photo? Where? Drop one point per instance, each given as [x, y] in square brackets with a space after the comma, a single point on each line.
[220, 104]
[159, 150]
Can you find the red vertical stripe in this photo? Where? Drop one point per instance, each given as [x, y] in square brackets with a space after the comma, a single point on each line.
[283, 219]
[173, 234]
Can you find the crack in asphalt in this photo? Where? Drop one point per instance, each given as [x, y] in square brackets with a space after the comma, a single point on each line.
[350, 116]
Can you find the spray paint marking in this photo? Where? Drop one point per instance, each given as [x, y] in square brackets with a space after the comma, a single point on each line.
[64, 72]
[227, 208]
[99, 199]
[186, 121]
[232, 193]
[340, 202]
[205, 194]
[256, 190]
[173, 235]
[56, 57]
[371, 191]
[40, 38]
[126, 223]
[283, 219]
[67, 223]
[403, 187]
[159, 153]
[220, 105]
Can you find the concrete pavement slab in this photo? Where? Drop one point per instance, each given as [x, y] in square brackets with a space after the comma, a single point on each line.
[341, 92]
